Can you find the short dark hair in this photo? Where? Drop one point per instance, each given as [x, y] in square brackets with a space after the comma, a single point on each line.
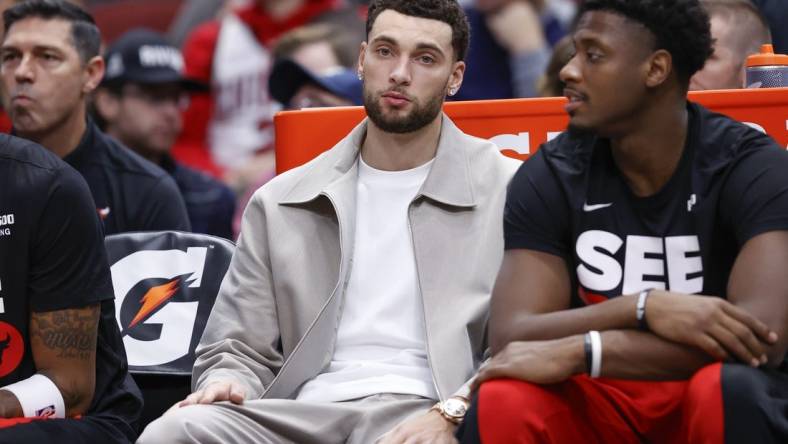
[85, 35]
[447, 11]
[681, 27]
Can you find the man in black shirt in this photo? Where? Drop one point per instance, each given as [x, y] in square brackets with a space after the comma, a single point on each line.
[646, 244]
[50, 63]
[61, 354]
[139, 103]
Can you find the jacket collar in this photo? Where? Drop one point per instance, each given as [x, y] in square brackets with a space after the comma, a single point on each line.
[449, 181]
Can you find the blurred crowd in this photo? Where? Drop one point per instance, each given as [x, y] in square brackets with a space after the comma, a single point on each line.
[205, 116]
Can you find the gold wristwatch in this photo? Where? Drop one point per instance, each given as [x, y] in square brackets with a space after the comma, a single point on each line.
[452, 409]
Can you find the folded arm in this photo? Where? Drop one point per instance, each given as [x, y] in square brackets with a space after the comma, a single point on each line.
[686, 331]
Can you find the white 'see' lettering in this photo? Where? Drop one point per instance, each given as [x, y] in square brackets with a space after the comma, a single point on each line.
[646, 261]
[590, 247]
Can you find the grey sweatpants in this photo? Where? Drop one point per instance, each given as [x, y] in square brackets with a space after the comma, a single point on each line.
[283, 421]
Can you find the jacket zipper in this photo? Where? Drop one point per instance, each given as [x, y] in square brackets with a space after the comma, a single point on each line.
[423, 307]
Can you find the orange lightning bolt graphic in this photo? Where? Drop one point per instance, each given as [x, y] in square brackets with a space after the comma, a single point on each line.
[155, 297]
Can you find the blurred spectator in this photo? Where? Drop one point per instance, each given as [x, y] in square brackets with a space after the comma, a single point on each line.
[550, 84]
[44, 93]
[295, 87]
[738, 30]
[231, 131]
[510, 47]
[140, 103]
[776, 13]
[323, 48]
[318, 47]
[191, 14]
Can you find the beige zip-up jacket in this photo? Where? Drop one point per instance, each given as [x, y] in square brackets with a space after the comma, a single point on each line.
[275, 319]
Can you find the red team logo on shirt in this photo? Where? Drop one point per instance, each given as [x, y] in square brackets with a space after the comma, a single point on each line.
[12, 348]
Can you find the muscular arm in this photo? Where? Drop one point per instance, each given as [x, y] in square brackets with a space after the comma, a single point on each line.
[756, 284]
[63, 343]
[542, 313]
[531, 300]
[759, 284]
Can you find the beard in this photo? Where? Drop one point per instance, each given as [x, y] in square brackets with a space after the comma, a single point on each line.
[418, 118]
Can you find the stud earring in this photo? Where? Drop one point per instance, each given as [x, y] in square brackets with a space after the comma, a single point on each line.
[452, 91]
[360, 75]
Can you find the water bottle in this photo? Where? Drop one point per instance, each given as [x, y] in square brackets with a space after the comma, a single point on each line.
[766, 69]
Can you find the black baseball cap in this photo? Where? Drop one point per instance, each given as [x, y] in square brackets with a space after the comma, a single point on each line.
[288, 76]
[146, 57]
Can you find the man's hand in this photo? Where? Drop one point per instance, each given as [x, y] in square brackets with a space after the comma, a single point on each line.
[216, 392]
[540, 362]
[428, 428]
[714, 325]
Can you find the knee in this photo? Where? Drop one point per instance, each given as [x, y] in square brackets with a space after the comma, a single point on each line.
[507, 395]
[184, 425]
[703, 415]
[509, 400]
[704, 387]
[519, 411]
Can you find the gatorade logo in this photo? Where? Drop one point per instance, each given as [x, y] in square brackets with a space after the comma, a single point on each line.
[147, 284]
[12, 348]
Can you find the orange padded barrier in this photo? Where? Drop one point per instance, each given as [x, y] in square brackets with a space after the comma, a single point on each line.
[518, 126]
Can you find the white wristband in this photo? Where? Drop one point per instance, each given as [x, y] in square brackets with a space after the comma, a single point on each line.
[38, 396]
[596, 353]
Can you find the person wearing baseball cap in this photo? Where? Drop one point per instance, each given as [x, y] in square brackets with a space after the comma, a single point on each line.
[296, 87]
[139, 102]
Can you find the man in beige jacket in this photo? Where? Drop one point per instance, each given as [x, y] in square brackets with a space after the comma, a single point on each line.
[358, 294]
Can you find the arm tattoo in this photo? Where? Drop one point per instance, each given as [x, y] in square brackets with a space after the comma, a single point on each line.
[70, 333]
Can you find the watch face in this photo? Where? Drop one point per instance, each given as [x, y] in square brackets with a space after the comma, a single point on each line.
[454, 407]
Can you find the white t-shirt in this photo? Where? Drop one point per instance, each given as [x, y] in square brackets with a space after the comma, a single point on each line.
[381, 342]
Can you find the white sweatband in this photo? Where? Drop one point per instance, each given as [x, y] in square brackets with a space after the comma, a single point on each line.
[596, 353]
[640, 309]
[38, 396]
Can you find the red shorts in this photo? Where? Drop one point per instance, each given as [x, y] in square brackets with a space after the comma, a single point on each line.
[585, 410]
[8, 422]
